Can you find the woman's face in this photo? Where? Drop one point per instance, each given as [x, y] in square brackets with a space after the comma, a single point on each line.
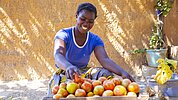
[85, 21]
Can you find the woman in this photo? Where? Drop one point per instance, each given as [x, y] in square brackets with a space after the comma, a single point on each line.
[74, 45]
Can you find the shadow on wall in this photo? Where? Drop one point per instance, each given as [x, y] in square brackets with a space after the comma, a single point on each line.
[127, 26]
[27, 40]
[170, 27]
[27, 30]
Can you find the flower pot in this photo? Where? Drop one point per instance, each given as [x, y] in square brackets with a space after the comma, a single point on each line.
[152, 55]
[169, 88]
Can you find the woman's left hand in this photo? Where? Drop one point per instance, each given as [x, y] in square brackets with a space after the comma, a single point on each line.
[126, 75]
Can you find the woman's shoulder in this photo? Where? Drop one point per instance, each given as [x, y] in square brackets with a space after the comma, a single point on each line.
[67, 30]
[95, 39]
[94, 36]
[64, 33]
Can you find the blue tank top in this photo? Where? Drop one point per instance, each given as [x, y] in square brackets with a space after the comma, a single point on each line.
[78, 55]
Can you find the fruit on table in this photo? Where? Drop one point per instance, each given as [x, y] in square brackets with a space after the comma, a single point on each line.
[116, 86]
[87, 86]
[98, 90]
[72, 87]
[125, 82]
[63, 85]
[90, 94]
[78, 79]
[120, 90]
[131, 94]
[117, 81]
[108, 85]
[70, 96]
[133, 87]
[102, 79]
[57, 96]
[108, 93]
[55, 89]
[88, 80]
[80, 93]
[63, 92]
[96, 82]
[96, 95]
[79, 85]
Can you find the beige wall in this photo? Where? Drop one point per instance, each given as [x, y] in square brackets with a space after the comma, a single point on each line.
[27, 28]
[171, 25]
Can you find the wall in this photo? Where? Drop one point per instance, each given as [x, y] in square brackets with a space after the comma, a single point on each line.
[27, 28]
[170, 26]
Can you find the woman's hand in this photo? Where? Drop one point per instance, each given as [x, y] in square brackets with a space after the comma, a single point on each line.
[71, 70]
[126, 75]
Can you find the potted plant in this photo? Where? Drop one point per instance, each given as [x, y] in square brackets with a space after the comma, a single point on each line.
[166, 68]
[157, 48]
[166, 78]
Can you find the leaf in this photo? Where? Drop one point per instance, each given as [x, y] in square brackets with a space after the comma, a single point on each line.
[166, 68]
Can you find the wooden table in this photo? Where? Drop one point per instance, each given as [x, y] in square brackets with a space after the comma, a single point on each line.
[142, 97]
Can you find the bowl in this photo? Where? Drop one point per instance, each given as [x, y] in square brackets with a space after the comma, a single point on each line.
[170, 88]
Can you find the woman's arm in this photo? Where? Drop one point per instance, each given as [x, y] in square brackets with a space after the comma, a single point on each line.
[60, 60]
[107, 63]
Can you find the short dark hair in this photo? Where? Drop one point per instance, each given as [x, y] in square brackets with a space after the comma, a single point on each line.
[87, 6]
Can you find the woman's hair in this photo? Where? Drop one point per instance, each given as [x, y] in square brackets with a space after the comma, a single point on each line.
[87, 6]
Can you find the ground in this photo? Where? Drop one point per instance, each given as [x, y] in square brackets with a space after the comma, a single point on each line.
[23, 90]
[30, 90]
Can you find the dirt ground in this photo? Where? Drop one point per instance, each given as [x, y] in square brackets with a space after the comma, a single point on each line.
[23, 90]
[29, 90]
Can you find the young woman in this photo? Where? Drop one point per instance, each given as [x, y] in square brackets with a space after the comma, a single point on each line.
[74, 45]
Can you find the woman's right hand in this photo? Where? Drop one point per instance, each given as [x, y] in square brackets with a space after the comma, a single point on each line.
[70, 71]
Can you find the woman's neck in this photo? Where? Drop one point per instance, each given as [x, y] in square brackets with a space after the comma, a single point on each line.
[80, 38]
[77, 33]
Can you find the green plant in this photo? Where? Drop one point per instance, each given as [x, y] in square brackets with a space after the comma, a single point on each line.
[164, 6]
[136, 51]
[166, 68]
[156, 40]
